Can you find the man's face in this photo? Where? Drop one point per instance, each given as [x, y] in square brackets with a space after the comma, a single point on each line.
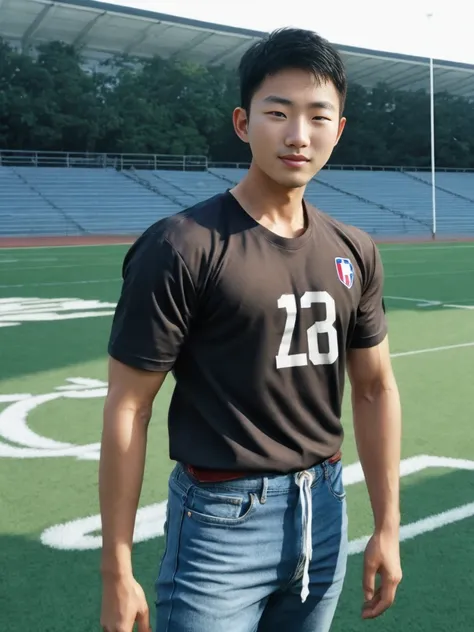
[293, 126]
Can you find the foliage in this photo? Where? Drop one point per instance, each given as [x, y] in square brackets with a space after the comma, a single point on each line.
[54, 101]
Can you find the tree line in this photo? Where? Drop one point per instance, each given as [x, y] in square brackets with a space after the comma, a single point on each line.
[54, 101]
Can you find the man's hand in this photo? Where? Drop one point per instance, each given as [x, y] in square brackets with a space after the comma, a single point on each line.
[123, 604]
[382, 557]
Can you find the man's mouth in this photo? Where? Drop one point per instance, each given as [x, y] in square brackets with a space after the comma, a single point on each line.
[294, 160]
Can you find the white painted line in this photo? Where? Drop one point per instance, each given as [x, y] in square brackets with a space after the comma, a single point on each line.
[428, 248]
[432, 349]
[433, 273]
[353, 473]
[466, 301]
[421, 302]
[30, 260]
[54, 283]
[6, 399]
[63, 266]
[447, 461]
[126, 243]
[414, 529]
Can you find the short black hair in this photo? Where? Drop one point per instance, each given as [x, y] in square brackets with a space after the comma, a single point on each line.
[288, 48]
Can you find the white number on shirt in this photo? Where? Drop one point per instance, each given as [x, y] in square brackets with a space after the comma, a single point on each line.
[288, 301]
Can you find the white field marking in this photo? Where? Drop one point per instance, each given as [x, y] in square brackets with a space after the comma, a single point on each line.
[28, 260]
[421, 302]
[427, 248]
[7, 399]
[466, 301]
[431, 349]
[384, 247]
[78, 535]
[53, 283]
[84, 533]
[434, 273]
[458, 306]
[353, 473]
[20, 248]
[17, 310]
[67, 265]
[28, 444]
[425, 525]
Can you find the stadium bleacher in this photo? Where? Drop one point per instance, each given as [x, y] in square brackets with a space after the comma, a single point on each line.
[93, 201]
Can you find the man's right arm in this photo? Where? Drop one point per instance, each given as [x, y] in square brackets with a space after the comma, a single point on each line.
[151, 323]
[127, 412]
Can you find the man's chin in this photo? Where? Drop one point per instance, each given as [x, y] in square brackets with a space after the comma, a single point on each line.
[293, 181]
[287, 179]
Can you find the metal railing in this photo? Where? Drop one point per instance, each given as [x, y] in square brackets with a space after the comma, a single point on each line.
[22, 158]
[18, 158]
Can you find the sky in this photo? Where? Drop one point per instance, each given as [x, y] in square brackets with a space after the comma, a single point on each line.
[398, 26]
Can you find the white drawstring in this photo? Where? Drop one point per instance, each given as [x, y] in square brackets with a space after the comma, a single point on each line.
[304, 481]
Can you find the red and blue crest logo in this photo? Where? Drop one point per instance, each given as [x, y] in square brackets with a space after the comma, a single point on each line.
[345, 271]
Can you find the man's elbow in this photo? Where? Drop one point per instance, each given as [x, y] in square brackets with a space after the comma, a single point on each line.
[371, 389]
[117, 407]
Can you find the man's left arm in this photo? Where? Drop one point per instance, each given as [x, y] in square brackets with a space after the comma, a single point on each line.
[377, 427]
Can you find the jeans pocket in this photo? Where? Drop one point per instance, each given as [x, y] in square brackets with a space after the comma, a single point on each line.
[217, 508]
[334, 480]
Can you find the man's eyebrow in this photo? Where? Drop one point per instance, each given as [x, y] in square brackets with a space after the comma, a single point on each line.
[322, 105]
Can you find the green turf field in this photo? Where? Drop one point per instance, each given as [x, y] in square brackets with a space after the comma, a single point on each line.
[52, 372]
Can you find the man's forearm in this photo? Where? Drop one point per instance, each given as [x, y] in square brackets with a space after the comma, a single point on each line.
[377, 425]
[121, 470]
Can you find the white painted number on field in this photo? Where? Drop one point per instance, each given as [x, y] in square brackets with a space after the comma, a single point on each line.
[14, 311]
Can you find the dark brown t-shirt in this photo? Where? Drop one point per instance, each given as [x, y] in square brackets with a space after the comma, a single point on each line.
[255, 328]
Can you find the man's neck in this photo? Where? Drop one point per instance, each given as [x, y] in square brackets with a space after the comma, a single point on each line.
[277, 208]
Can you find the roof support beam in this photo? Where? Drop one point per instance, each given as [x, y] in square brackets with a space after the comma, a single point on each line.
[194, 43]
[413, 80]
[232, 51]
[139, 38]
[455, 84]
[81, 39]
[35, 25]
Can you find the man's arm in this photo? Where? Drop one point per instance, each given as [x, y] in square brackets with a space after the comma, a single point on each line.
[156, 307]
[377, 426]
[127, 412]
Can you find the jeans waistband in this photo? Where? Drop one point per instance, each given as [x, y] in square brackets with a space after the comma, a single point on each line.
[206, 475]
[272, 482]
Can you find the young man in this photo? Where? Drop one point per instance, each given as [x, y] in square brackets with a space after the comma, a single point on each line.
[258, 303]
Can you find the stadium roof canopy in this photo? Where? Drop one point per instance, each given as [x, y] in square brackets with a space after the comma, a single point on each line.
[102, 29]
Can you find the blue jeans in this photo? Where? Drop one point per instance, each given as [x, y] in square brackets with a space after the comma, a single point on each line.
[260, 554]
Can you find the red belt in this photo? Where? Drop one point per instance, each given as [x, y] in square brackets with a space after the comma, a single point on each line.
[219, 476]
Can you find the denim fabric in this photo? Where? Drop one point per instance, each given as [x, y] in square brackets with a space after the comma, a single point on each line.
[235, 553]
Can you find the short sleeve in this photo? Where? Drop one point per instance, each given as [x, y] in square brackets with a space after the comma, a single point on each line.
[155, 308]
[371, 324]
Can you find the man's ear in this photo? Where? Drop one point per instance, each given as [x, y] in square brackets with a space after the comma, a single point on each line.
[342, 125]
[240, 121]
